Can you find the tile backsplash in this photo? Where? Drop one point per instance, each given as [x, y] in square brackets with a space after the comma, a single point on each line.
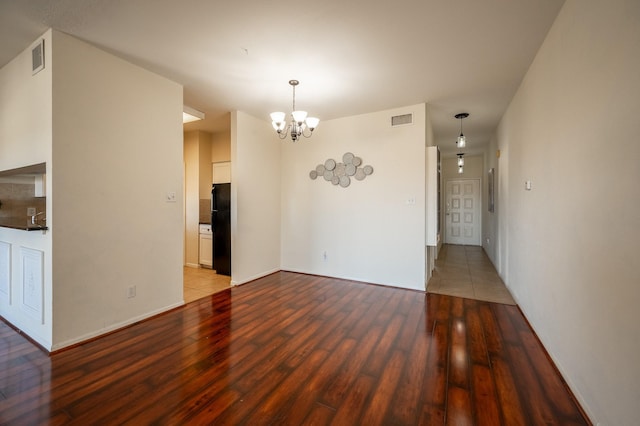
[205, 210]
[15, 199]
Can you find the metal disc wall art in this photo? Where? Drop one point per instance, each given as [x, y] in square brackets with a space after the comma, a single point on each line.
[340, 174]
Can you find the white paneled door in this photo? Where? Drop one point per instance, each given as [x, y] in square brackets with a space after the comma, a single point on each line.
[463, 212]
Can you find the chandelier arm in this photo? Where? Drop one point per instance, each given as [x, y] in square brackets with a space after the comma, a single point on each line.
[305, 135]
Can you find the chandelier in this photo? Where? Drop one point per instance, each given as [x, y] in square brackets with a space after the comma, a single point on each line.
[299, 120]
[461, 162]
[461, 142]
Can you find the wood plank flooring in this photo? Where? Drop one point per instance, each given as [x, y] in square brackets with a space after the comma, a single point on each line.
[293, 349]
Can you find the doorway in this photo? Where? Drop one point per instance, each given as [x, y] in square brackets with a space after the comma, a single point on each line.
[462, 214]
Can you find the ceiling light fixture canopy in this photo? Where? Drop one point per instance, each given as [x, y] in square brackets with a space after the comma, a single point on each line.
[299, 120]
[461, 141]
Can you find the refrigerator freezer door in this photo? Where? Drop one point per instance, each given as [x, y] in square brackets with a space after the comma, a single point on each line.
[221, 228]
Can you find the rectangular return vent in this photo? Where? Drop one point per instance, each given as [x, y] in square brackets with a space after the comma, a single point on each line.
[399, 120]
[37, 58]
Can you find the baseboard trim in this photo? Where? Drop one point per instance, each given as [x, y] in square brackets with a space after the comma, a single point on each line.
[114, 327]
[254, 277]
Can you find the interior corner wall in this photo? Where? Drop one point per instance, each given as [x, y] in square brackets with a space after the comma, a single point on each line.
[191, 198]
[117, 154]
[255, 198]
[431, 196]
[221, 146]
[205, 178]
[25, 139]
[572, 240]
[374, 229]
[490, 219]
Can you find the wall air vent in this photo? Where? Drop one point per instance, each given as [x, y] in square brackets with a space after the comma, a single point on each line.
[401, 120]
[37, 58]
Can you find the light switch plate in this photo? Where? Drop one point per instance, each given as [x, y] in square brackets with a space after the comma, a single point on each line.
[171, 197]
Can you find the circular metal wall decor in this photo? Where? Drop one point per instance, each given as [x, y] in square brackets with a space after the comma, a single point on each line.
[347, 158]
[341, 173]
[330, 164]
[350, 169]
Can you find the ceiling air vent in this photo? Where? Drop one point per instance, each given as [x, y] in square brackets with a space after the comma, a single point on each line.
[401, 120]
[37, 58]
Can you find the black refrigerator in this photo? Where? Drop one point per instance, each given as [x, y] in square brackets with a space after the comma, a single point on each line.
[221, 227]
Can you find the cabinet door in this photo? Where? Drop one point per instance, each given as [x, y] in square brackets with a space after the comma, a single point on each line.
[206, 250]
[222, 172]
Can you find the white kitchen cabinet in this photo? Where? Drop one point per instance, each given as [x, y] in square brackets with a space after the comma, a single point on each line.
[206, 246]
[222, 172]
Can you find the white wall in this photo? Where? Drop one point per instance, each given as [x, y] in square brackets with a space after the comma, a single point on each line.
[368, 230]
[117, 151]
[255, 198]
[205, 165]
[490, 219]
[191, 198]
[572, 241]
[25, 139]
[473, 168]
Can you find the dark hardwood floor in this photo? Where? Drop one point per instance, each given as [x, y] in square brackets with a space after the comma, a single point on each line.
[293, 349]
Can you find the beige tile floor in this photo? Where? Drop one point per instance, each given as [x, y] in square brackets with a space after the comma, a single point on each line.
[202, 282]
[466, 271]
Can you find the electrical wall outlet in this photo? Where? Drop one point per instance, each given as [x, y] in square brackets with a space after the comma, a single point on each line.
[131, 292]
[171, 197]
[31, 211]
[324, 256]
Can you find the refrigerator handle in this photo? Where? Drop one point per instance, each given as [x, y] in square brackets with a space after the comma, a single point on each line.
[214, 212]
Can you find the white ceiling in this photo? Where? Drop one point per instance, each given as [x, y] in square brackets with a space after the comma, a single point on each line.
[351, 56]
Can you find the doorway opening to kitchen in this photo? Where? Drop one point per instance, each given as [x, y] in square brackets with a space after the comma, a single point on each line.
[207, 181]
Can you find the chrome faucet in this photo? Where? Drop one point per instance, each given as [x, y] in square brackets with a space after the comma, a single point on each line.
[33, 217]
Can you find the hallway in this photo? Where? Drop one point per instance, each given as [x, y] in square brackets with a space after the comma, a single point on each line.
[466, 271]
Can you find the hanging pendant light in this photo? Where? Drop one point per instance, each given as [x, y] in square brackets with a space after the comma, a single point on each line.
[299, 120]
[461, 159]
[461, 141]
